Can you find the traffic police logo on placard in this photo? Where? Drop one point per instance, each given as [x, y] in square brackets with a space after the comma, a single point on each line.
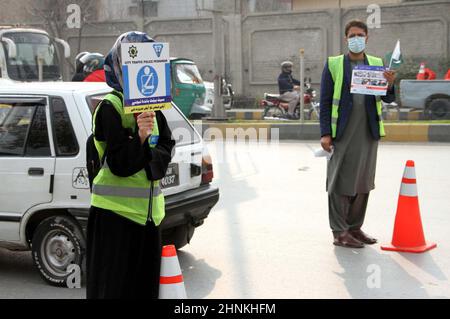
[146, 77]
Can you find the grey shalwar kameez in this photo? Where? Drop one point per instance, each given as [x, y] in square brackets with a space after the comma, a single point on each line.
[351, 170]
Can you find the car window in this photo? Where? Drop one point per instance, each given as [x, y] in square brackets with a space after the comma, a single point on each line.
[182, 130]
[4, 110]
[94, 100]
[38, 143]
[63, 134]
[188, 73]
[15, 126]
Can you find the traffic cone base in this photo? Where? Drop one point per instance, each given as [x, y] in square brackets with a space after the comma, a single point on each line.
[408, 233]
[419, 249]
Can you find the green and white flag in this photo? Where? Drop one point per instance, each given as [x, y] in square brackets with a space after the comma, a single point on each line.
[395, 58]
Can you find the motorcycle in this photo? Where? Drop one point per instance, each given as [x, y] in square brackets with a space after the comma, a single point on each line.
[274, 107]
[227, 94]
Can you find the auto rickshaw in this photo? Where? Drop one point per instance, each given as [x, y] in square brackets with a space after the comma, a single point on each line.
[188, 89]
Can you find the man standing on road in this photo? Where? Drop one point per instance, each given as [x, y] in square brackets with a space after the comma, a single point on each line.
[288, 87]
[351, 125]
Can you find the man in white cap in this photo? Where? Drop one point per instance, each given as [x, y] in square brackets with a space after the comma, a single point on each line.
[289, 87]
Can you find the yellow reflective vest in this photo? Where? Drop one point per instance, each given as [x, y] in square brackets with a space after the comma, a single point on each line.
[133, 197]
[336, 67]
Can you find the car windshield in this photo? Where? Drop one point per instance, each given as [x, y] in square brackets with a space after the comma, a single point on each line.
[32, 47]
[188, 73]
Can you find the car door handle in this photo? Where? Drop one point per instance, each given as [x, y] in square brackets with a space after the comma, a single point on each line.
[35, 171]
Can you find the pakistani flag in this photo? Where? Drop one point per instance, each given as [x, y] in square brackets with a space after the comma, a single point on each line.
[395, 58]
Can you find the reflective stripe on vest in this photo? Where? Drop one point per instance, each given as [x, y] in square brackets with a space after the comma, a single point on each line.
[127, 196]
[336, 67]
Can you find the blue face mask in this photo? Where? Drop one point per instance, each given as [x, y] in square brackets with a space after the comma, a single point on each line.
[357, 44]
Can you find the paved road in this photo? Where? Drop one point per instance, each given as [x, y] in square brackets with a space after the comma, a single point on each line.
[268, 237]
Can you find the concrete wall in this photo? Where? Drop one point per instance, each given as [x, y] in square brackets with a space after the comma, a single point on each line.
[269, 39]
[299, 5]
[189, 38]
[115, 9]
[11, 12]
[177, 8]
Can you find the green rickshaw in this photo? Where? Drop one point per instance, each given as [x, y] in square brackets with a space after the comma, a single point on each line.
[188, 90]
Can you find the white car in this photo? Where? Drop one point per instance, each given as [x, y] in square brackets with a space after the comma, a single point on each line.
[44, 192]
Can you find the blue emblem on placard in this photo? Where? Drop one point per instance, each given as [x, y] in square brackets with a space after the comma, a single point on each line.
[147, 80]
[153, 140]
[158, 49]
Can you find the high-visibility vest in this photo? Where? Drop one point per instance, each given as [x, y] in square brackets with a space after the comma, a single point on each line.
[336, 67]
[127, 196]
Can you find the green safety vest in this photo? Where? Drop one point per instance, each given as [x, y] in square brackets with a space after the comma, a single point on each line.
[127, 196]
[336, 67]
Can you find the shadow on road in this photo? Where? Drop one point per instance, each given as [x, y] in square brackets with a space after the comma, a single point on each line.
[197, 273]
[236, 164]
[426, 262]
[19, 266]
[20, 279]
[359, 264]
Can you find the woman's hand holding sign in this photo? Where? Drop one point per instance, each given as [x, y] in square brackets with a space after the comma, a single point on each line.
[145, 123]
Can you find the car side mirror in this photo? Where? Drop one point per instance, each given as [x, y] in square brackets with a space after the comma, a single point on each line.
[65, 45]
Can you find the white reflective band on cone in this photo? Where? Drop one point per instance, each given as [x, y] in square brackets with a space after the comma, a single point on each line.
[172, 291]
[170, 267]
[409, 190]
[410, 172]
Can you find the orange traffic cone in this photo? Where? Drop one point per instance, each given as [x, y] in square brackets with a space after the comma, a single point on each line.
[430, 74]
[408, 232]
[447, 75]
[171, 285]
[421, 74]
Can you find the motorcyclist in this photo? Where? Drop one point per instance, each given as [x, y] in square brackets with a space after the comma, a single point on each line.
[90, 68]
[78, 76]
[289, 87]
[93, 68]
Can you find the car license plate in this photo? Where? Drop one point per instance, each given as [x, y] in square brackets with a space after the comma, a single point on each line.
[172, 177]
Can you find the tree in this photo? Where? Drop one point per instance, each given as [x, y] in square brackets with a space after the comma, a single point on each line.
[56, 14]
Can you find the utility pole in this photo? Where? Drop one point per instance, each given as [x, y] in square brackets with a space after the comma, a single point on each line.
[302, 85]
[218, 111]
[142, 26]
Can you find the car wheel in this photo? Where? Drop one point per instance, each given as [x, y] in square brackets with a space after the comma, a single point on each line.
[179, 236]
[57, 243]
[439, 109]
